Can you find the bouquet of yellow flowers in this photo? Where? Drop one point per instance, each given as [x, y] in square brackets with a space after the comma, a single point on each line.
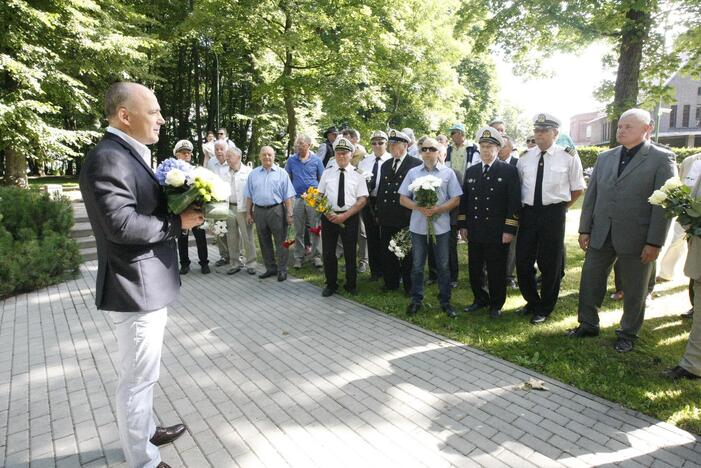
[315, 199]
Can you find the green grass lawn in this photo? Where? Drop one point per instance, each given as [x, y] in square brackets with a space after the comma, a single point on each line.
[591, 364]
[66, 182]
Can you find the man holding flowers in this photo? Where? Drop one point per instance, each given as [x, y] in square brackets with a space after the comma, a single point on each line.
[618, 222]
[431, 191]
[346, 192]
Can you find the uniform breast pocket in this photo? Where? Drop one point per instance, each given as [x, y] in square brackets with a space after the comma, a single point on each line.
[559, 176]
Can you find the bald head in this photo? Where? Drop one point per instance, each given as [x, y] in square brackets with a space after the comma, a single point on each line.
[134, 109]
[120, 94]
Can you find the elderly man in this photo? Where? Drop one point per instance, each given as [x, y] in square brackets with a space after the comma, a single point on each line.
[488, 220]
[239, 232]
[371, 164]
[219, 166]
[551, 180]
[183, 151]
[269, 197]
[412, 150]
[461, 154]
[347, 193]
[137, 264]
[305, 170]
[618, 222]
[392, 216]
[448, 198]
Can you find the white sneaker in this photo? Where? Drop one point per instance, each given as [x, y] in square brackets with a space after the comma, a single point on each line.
[318, 263]
[363, 267]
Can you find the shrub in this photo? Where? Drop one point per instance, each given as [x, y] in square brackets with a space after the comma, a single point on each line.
[36, 249]
[588, 154]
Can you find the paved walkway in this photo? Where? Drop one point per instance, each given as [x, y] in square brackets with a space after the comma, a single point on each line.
[270, 374]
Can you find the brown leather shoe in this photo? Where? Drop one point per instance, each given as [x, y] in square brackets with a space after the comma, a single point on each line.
[166, 435]
[162, 465]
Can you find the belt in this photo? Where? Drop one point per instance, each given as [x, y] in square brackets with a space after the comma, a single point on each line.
[267, 207]
[232, 204]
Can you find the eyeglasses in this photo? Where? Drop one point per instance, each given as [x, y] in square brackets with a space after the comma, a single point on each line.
[429, 149]
[377, 143]
[530, 141]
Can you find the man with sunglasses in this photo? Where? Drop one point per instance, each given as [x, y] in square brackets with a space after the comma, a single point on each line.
[448, 198]
[371, 164]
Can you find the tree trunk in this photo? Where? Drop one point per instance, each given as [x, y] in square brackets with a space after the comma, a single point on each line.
[15, 169]
[287, 92]
[635, 32]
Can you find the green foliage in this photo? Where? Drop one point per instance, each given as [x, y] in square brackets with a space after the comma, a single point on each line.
[36, 249]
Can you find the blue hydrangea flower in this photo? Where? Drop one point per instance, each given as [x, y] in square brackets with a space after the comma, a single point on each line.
[169, 164]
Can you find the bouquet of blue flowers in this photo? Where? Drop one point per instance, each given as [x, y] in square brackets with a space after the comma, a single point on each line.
[186, 185]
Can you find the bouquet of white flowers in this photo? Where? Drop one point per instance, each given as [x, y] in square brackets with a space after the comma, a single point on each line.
[676, 200]
[400, 244]
[186, 185]
[425, 191]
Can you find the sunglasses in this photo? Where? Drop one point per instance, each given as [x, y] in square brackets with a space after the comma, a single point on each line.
[530, 141]
[429, 149]
[220, 134]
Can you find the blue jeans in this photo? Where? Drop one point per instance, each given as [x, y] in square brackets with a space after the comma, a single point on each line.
[419, 245]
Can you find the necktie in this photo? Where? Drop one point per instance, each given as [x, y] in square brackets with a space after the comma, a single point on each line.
[485, 169]
[373, 181]
[395, 165]
[538, 195]
[341, 199]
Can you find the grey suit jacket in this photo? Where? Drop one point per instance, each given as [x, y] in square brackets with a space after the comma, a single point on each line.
[692, 267]
[137, 261]
[619, 204]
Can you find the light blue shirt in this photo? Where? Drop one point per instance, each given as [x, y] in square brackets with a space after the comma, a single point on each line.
[449, 189]
[268, 187]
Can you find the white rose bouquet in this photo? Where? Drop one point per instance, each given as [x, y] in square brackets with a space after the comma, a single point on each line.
[676, 200]
[186, 185]
[425, 191]
[400, 244]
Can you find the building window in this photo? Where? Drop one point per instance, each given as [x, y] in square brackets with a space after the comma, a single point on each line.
[588, 130]
[685, 116]
[698, 91]
[605, 131]
[698, 117]
[673, 117]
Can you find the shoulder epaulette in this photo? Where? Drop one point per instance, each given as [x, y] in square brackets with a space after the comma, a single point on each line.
[571, 150]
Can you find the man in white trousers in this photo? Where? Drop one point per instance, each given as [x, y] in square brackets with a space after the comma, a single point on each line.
[137, 261]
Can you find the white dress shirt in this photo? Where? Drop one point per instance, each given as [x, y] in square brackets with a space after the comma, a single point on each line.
[366, 165]
[141, 149]
[220, 169]
[353, 183]
[562, 174]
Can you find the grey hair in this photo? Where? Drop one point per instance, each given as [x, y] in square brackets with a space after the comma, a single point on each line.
[221, 143]
[305, 138]
[116, 96]
[233, 151]
[641, 115]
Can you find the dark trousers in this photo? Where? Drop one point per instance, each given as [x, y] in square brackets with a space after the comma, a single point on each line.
[201, 242]
[372, 232]
[392, 268]
[330, 233]
[494, 255]
[618, 278]
[271, 226]
[540, 238]
[452, 257]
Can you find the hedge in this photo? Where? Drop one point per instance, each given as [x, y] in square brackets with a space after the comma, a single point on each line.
[588, 154]
[36, 249]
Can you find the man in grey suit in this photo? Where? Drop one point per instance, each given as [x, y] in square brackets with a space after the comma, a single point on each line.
[137, 261]
[690, 365]
[617, 221]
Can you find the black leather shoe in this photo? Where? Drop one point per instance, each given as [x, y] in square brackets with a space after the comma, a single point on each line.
[185, 269]
[282, 276]
[623, 345]
[221, 262]
[494, 313]
[205, 269]
[413, 308]
[328, 292]
[474, 307]
[234, 270]
[525, 311]
[688, 314]
[166, 435]
[537, 319]
[162, 465]
[448, 309]
[581, 332]
[267, 274]
[678, 372]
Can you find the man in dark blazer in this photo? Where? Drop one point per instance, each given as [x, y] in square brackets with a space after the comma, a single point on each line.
[137, 272]
[391, 215]
[618, 222]
[488, 220]
[509, 155]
